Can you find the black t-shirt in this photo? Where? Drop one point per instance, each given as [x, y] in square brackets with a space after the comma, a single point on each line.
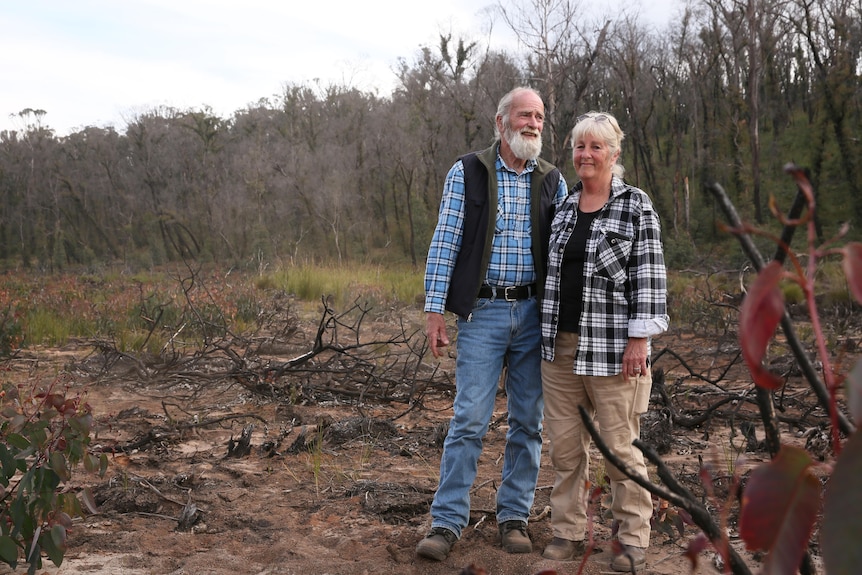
[572, 273]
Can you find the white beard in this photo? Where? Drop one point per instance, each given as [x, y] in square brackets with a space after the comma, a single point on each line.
[523, 148]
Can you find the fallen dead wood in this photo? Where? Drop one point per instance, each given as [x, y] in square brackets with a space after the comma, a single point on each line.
[169, 434]
[346, 362]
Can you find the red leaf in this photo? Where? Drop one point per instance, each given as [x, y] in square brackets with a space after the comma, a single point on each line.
[761, 313]
[842, 511]
[852, 264]
[63, 519]
[695, 546]
[779, 507]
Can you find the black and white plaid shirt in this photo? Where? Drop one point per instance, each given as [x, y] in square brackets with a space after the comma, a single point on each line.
[625, 282]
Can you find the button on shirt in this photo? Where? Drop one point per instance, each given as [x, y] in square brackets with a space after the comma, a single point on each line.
[511, 262]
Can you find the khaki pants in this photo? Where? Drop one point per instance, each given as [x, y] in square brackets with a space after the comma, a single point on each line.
[615, 404]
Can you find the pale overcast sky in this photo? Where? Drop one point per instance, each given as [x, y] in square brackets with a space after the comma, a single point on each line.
[100, 62]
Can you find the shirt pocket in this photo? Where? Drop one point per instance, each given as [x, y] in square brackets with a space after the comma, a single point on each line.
[612, 255]
[563, 220]
[558, 226]
[499, 222]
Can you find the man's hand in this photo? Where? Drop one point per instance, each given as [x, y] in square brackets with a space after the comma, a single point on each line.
[435, 330]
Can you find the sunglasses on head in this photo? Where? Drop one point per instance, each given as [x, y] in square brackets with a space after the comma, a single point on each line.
[593, 117]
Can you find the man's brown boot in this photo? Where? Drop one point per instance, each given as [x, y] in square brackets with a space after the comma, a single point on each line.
[513, 535]
[437, 544]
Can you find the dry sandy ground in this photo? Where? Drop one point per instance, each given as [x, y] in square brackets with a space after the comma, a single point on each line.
[350, 500]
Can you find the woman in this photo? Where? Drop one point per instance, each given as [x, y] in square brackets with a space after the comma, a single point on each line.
[605, 296]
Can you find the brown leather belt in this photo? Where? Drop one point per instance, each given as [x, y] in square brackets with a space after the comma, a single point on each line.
[511, 293]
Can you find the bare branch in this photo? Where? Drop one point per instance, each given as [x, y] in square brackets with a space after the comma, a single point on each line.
[799, 353]
[675, 493]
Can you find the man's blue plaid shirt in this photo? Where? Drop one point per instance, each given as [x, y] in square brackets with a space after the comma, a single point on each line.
[511, 259]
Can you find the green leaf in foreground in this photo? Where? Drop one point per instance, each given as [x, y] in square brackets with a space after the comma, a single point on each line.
[8, 550]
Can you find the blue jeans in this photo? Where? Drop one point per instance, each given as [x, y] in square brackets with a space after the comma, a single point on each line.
[498, 331]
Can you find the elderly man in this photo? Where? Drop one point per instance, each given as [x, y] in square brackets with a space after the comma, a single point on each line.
[486, 264]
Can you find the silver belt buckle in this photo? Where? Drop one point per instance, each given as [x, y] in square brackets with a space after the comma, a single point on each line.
[506, 293]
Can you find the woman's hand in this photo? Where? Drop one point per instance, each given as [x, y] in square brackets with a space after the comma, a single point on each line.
[635, 357]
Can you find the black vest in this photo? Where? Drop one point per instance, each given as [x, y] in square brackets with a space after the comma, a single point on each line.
[480, 212]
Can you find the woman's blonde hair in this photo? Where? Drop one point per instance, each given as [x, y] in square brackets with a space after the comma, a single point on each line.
[605, 127]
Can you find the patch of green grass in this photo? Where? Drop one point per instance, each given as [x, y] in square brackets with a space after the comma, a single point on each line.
[792, 292]
[701, 302]
[144, 311]
[342, 285]
[831, 284]
[136, 341]
[45, 327]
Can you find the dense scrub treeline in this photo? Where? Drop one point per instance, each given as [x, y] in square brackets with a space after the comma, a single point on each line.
[729, 93]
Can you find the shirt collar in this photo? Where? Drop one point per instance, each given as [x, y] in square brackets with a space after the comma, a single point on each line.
[528, 167]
